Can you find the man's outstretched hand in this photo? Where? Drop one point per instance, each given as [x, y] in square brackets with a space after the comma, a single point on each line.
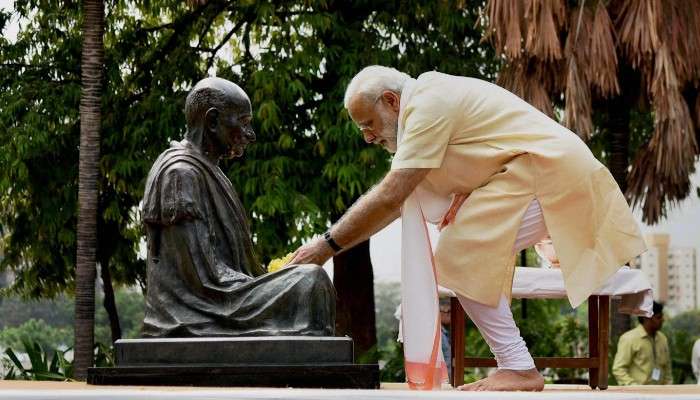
[316, 251]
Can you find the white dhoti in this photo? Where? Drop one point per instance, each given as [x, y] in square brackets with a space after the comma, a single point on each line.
[425, 366]
[496, 325]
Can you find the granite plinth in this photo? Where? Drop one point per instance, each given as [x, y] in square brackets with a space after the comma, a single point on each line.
[276, 361]
[235, 350]
[331, 376]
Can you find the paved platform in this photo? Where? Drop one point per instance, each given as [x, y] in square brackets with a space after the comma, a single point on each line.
[72, 390]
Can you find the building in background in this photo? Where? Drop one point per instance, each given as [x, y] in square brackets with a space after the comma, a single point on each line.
[683, 279]
[672, 272]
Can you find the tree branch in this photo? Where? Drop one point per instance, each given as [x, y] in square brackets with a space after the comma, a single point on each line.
[179, 28]
[246, 42]
[216, 49]
[169, 25]
[205, 28]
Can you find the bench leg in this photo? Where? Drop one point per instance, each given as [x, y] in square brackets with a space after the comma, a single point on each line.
[593, 347]
[457, 325]
[603, 340]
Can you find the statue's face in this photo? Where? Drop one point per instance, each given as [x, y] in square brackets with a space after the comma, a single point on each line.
[234, 131]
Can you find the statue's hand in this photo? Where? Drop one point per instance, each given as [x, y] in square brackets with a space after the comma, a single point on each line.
[316, 252]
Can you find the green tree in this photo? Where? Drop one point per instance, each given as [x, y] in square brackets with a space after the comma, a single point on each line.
[37, 330]
[682, 331]
[50, 322]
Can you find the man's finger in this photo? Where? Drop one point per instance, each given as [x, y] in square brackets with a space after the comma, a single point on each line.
[295, 255]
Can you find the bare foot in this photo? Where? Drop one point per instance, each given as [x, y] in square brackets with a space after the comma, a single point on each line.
[508, 380]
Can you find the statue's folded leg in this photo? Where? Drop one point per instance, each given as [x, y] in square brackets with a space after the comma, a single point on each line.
[297, 300]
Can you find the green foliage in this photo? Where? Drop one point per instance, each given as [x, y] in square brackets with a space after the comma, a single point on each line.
[50, 323]
[16, 311]
[392, 364]
[388, 350]
[41, 369]
[293, 58]
[58, 369]
[682, 332]
[130, 304]
[104, 355]
[39, 332]
[387, 297]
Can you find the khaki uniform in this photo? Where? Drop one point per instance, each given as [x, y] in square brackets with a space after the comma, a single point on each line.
[484, 141]
[638, 354]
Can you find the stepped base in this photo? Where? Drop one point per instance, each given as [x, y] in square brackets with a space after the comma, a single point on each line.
[336, 376]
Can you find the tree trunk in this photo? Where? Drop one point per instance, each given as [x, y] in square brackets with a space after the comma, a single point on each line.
[109, 303]
[618, 163]
[354, 282]
[90, 119]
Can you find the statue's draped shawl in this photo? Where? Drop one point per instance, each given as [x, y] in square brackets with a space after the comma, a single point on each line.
[195, 189]
[203, 279]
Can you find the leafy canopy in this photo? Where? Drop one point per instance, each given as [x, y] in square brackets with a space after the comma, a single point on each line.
[294, 60]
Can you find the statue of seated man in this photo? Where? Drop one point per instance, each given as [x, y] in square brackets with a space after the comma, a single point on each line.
[203, 278]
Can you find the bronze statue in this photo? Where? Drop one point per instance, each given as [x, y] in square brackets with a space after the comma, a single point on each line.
[203, 278]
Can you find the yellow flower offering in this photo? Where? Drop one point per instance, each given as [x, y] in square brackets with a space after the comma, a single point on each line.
[278, 263]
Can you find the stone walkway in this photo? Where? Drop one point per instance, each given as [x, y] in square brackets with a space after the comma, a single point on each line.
[72, 390]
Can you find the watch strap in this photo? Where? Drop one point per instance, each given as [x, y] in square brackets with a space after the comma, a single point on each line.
[331, 242]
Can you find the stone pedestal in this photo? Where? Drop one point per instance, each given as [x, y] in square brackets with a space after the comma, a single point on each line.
[277, 361]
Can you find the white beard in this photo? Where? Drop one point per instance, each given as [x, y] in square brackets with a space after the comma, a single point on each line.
[389, 132]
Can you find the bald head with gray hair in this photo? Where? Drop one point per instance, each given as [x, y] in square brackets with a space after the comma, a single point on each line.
[372, 81]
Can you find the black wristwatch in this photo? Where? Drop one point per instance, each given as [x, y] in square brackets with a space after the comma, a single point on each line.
[331, 242]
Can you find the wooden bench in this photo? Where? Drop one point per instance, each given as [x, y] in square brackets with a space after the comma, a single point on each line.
[596, 362]
[629, 285]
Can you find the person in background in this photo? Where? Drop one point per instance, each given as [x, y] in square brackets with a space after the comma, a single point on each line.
[643, 356]
[445, 321]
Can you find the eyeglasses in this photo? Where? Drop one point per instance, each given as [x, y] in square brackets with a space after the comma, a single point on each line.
[362, 127]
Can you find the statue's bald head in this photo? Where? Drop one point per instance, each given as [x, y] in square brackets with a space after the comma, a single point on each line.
[217, 93]
[219, 118]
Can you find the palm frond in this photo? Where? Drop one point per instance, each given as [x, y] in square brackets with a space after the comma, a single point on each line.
[544, 19]
[504, 27]
[577, 92]
[661, 172]
[577, 111]
[693, 38]
[637, 28]
[601, 66]
[679, 30]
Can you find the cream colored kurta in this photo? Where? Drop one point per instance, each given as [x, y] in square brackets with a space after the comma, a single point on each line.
[484, 141]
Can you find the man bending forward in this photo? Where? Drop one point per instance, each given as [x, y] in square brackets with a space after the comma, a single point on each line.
[508, 169]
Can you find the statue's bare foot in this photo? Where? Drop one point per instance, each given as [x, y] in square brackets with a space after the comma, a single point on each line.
[509, 380]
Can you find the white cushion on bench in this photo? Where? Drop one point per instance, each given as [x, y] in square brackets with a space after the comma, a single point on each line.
[631, 285]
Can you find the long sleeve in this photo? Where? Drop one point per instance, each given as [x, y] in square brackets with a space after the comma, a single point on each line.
[621, 365]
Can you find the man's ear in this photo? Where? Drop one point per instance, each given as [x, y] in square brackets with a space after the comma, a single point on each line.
[211, 119]
[392, 99]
